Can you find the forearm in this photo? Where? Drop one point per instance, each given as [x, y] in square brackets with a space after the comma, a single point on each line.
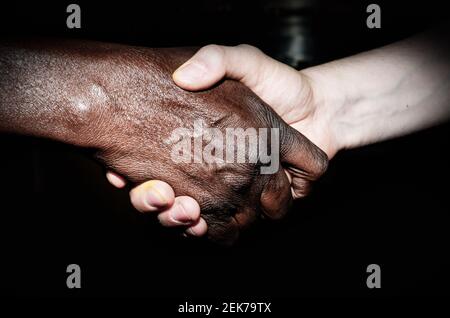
[50, 91]
[385, 93]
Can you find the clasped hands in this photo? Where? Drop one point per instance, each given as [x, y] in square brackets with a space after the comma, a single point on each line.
[213, 198]
[140, 110]
[137, 108]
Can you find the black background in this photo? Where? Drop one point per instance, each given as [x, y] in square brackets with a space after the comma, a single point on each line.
[386, 204]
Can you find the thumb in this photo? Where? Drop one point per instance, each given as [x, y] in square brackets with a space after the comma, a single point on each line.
[213, 62]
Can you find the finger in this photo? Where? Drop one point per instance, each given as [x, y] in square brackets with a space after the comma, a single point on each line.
[276, 196]
[198, 229]
[152, 196]
[213, 62]
[304, 161]
[115, 179]
[185, 211]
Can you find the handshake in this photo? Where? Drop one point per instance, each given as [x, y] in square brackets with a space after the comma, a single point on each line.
[223, 150]
[229, 136]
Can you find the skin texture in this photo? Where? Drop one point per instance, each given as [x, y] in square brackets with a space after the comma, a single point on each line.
[121, 102]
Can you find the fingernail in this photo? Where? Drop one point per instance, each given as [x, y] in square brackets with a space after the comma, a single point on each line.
[189, 72]
[155, 196]
[179, 214]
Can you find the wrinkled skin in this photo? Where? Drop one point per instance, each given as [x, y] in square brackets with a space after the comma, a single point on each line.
[121, 102]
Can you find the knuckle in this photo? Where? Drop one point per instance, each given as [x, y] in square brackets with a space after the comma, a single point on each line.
[300, 193]
[214, 50]
[300, 188]
[249, 48]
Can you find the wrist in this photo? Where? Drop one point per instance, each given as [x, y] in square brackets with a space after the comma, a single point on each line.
[111, 96]
[324, 126]
[85, 113]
